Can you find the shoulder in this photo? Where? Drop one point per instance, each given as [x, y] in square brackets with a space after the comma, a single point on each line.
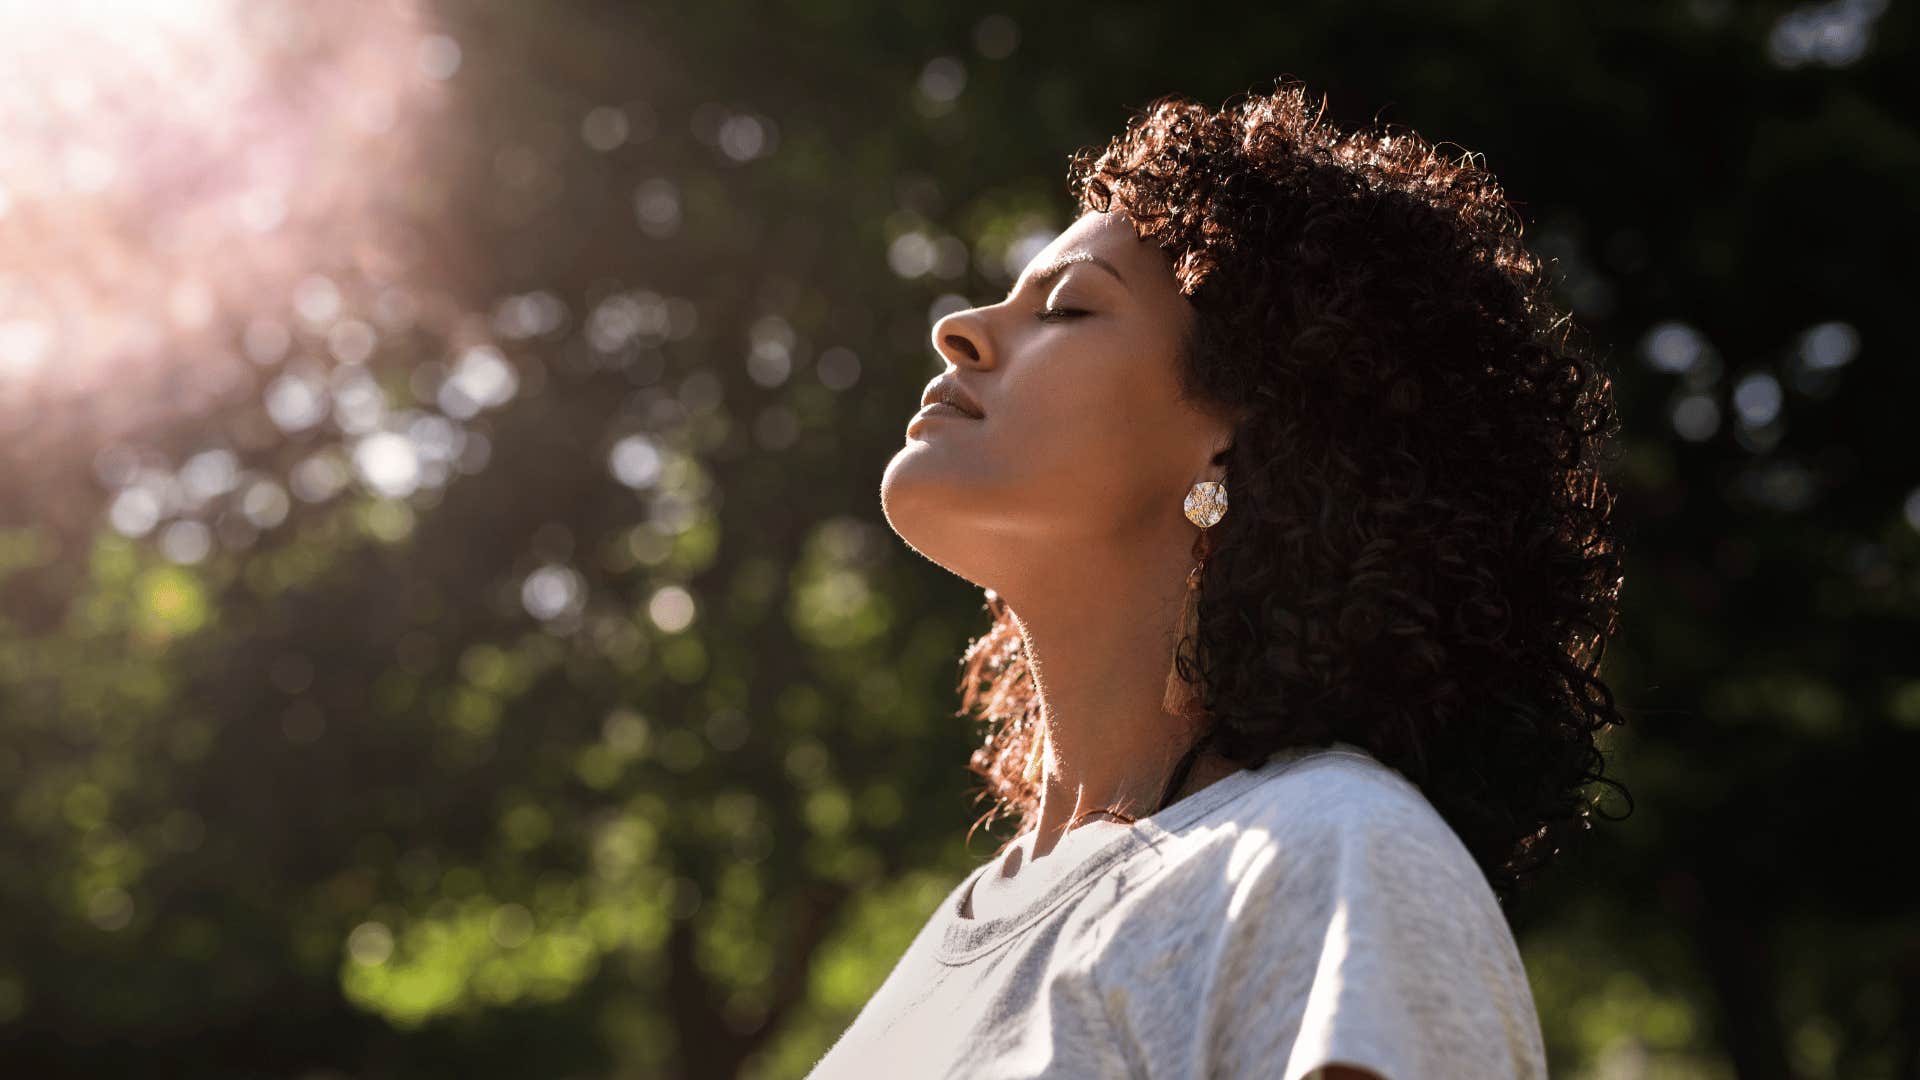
[1326, 915]
[1334, 829]
[1339, 789]
[1332, 803]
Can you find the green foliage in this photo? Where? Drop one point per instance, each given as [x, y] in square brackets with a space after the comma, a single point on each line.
[639, 758]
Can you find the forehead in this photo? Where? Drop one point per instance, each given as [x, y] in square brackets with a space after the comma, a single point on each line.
[1108, 233]
[1146, 269]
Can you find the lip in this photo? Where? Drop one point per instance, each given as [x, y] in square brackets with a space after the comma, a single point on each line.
[938, 410]
[948, 389]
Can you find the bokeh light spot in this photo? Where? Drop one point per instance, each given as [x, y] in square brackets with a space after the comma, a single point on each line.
[110, 908]
[481, 379]
[838, 367]
[171, 603]
[635, 461]
[656, 203]
[604, 128]
[1696, 417]
[510, 926]
[1757, 398]
[186, 542]
[295, 403]
[1673, 347]
[388, 464]
[552, 592]
[370, 943]
[134, 512]
[943, 78]
[996, 36]
[671, 608]
[438, 56]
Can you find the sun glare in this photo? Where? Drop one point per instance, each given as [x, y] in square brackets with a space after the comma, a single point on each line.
[170, 171]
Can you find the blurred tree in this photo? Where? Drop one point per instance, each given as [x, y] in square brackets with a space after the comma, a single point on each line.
[515, 676]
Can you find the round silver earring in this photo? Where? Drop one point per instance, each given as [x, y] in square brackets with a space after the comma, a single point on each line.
[1207, 503]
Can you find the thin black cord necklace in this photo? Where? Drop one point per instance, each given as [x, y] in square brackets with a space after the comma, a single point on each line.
[1076, 821]
[1174, 782]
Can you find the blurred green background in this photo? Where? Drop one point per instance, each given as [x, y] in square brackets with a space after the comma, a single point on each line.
[446, 623]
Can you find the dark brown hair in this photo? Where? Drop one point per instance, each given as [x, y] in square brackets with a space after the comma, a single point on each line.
[1418, 557]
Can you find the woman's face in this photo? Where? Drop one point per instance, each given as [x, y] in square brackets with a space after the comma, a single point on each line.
[1082, 439]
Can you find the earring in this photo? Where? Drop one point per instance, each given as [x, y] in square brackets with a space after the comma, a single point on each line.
[1206, 504]
[1034, 759]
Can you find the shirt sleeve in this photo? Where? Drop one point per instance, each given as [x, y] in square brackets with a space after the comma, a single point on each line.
[1334, 919]
[1371, 941]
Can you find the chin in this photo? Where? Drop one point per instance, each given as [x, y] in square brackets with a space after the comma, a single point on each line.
[921, 510]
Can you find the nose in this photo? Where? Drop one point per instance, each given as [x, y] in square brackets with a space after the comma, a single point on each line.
[960, 339]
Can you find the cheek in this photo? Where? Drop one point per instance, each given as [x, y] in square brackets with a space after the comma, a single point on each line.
[1080, 432]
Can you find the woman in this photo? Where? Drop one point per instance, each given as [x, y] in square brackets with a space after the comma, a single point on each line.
[1281, 477]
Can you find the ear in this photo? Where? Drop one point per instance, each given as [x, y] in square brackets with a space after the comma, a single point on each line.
[1224, 445]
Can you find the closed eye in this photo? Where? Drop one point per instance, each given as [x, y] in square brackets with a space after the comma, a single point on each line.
[1053, 314]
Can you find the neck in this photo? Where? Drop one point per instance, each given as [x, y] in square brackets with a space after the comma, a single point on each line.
[1099, 671]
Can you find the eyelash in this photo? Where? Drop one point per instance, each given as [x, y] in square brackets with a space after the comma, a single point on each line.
[1051, 314]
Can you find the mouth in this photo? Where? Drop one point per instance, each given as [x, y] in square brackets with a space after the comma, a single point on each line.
[937, 411]
[947, 391]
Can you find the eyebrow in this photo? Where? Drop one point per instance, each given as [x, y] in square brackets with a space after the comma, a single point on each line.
[1059, 266]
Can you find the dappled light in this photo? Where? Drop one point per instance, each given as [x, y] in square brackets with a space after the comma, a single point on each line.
[446, 621]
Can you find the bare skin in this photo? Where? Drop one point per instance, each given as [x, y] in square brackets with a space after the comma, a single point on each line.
[1065, 498]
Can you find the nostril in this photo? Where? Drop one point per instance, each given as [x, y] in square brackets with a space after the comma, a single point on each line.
[958, 342]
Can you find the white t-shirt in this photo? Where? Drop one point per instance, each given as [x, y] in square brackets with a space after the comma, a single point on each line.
[1316, 910]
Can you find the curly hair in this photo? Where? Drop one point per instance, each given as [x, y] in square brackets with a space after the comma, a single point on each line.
[1419, 558]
